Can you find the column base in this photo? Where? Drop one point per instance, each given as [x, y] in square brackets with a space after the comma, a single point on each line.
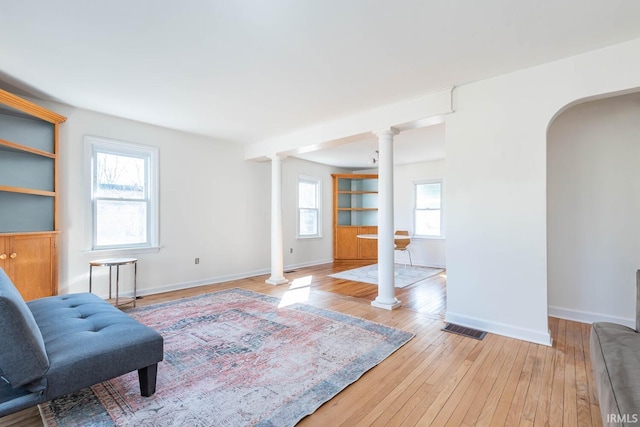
[276, 281]
[385, 305]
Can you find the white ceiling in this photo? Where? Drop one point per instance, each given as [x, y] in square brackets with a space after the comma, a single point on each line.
[248, 70]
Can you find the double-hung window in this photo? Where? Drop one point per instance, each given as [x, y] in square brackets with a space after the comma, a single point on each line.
[428, 208]
[124, 194]
[309, 206]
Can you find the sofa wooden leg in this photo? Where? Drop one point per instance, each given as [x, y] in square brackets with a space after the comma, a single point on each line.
[147, 377]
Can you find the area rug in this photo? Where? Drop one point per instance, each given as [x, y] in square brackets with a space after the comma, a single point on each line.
[405, 275]
[235, 358]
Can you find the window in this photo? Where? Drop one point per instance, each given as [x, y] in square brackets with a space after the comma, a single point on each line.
[428, 208]
[123, 194]
[309, 196]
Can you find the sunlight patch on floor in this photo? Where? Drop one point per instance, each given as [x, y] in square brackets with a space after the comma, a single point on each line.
[299, 291]
[301, 282]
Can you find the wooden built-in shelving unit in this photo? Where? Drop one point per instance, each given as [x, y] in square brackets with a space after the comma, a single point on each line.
[355, 211]
[29, 199]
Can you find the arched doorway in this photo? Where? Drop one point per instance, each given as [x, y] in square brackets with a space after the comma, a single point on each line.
[593, 210]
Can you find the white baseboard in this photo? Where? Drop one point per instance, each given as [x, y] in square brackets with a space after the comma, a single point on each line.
[218, 279]
[195, 283]
[307, 264]
[444, 267]
[537, 337]
[589, 317]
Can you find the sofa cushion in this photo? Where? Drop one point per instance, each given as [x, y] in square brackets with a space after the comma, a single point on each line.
[89, 341]
[637, 300]
[16, 399]
[615, 357]
[23, 358]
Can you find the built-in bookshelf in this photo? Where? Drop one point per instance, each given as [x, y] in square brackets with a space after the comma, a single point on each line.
[355, 212]
[29, 195]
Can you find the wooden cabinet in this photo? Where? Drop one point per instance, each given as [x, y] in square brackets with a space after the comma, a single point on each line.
[355, 211]
[29, 195]
[349, 246]
[30, 261]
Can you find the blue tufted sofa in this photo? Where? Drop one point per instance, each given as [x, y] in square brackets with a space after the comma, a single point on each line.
[53, 346]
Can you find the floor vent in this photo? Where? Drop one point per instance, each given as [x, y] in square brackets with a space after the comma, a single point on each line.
[462, 330]
[289, 271]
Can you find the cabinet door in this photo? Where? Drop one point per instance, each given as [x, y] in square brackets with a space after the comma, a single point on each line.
[368, 248]
[346, 244]
[31, 265]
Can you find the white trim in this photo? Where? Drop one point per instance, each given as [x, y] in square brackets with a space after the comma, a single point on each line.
[215, 280]
[91, 143]
[589, 317]
[499, 328]
[122, 251]
[308, 264]
[318, 183]
[414, 185]
[415, 264]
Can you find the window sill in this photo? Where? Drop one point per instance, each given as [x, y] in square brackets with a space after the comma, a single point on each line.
[429, 237]
[122, 251]
[308, 238]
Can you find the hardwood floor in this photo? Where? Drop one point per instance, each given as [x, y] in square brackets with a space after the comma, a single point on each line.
[437, 378]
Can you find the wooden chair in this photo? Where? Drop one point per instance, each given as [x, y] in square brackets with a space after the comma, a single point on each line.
[401, 244]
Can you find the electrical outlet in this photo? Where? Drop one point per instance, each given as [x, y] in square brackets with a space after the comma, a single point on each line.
[197, 260]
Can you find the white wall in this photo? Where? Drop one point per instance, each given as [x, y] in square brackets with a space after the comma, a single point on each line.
[306, 249]
[213, 205]
[593, 197]
[210, 205]
[496, 186]
[426, 252]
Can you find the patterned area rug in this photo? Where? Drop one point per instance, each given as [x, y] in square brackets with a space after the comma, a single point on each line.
[234, 358]
[405, 275]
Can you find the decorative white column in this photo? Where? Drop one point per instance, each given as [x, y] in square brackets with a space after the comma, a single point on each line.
[277, 250]
[386, 274]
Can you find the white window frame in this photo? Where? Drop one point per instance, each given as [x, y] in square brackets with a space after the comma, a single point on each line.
[318, 183]
[94, 145]
[414, 196]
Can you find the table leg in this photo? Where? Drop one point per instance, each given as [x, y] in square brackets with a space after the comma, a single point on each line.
[90, 275]
[110, 268]
[135, 281]
[117, 283]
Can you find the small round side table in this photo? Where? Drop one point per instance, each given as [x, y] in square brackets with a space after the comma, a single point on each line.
[117, 262]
